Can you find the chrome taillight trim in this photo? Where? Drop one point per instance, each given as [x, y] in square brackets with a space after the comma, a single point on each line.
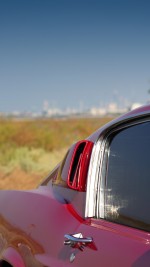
[93, 182]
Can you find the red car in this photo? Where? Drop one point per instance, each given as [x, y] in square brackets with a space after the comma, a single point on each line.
[93, 208]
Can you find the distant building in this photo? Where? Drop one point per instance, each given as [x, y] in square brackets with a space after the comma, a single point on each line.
[97, 111]
[111, 109]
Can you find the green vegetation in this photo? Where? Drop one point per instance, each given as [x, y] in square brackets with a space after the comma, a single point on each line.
[35, 160]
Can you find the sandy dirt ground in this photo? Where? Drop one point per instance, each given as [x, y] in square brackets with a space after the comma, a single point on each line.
[20, 180]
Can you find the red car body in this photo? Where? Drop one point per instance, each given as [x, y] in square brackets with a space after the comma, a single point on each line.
[63, 221]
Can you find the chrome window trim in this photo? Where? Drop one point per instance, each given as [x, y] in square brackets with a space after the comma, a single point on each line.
[95, 179]
[91, 182]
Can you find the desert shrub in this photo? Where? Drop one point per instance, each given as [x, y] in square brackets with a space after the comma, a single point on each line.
[34, 144]
[49, 134]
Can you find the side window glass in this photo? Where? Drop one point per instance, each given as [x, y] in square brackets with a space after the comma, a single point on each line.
[127, 184]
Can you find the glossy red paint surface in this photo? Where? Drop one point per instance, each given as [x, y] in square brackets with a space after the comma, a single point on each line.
[33, 224]
[37, 232]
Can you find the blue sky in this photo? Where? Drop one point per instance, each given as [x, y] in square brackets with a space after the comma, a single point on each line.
[73, 53]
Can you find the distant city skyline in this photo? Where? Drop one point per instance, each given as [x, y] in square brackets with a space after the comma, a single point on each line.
[73, 53]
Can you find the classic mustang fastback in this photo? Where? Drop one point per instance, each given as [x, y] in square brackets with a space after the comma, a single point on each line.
[93, 209]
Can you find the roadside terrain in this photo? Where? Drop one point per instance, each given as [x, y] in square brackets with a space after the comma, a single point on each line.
[29, 149]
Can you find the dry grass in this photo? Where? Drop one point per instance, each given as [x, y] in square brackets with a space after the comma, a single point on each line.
[30, 149]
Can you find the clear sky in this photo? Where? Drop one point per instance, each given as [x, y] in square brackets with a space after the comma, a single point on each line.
[73, 52]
